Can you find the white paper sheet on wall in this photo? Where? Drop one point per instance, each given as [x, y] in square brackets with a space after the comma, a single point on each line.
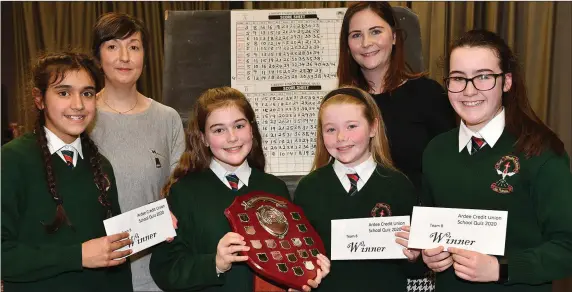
[285, 61]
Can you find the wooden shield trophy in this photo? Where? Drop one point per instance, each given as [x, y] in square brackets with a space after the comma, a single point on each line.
[283, 244]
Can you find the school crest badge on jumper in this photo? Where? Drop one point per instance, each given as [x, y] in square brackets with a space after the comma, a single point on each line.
[381, 210]
[507, 166]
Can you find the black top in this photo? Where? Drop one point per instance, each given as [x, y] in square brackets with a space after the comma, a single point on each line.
[414, 113]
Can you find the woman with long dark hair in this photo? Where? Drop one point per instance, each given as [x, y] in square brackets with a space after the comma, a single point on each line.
[372, 57]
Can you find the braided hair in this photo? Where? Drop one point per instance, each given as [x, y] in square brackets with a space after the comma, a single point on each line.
[50, 69]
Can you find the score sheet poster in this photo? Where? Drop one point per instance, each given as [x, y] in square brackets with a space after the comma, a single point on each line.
[285, 61]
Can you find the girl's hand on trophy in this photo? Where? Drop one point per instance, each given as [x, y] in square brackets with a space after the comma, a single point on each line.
[227, 251]
[322, 272]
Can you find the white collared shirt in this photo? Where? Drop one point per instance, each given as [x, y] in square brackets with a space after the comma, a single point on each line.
[242, 172]
[55, 144]
[491, 132]
[364, 170]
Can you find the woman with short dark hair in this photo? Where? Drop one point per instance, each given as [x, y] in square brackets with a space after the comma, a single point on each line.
[142, 138]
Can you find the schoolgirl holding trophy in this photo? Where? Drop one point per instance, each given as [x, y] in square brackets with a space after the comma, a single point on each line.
[223, 159]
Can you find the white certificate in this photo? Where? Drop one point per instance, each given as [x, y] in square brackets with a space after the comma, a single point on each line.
[367, 238]
[147, 225]
[483, 231]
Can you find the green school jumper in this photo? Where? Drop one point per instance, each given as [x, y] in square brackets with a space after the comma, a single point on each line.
[323, 198]
[32, 259]
[536, 192]
[198, 200]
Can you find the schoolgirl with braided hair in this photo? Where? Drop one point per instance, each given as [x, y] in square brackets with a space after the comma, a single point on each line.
[59, 168]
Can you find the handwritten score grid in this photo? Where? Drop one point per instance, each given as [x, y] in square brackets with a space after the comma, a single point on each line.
[285, 61]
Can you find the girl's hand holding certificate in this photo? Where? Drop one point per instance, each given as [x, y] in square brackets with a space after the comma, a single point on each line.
[474, 266]
[403, 238]
[437, 259]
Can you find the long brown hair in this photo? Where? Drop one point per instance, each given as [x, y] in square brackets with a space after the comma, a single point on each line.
[533, 136]
[349, 71]
[50, 70]
[378, 145]
[197, 155]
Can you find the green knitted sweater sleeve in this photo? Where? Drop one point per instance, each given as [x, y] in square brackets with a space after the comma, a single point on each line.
[551, 189]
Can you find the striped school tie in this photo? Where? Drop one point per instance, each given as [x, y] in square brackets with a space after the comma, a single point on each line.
[476, 144]
[354, 177]
[68, 157]
[233, 181]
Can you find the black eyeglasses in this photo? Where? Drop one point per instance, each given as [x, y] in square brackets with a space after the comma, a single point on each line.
[482, 82]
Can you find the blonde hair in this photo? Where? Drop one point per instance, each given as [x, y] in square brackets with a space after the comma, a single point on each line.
[197, 155]
[378, 145]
